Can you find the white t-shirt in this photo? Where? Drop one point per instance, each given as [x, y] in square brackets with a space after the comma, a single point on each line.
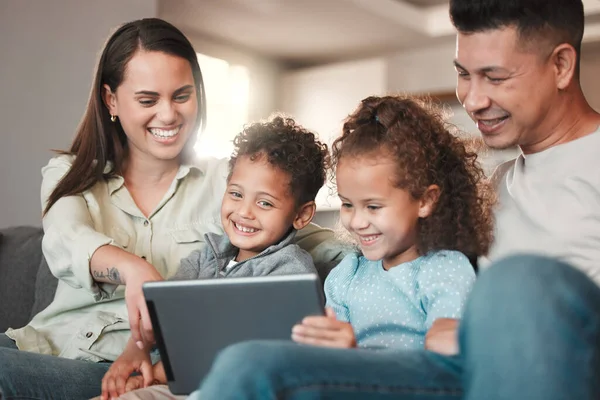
[549, 204]
[231, 264]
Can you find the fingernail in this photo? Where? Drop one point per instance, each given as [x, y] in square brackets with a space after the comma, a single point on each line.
[140, 344]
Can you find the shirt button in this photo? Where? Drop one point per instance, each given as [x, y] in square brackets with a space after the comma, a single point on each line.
[89, 335]
[146, 223]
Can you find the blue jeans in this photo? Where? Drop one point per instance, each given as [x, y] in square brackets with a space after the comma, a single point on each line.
[531, 330]
[25, 375]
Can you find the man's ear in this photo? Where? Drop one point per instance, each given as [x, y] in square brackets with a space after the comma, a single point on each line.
[304, 215]
[110, 100]
[429, 200]
[564, 59]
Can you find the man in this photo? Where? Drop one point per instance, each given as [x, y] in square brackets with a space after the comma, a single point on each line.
[531, 329]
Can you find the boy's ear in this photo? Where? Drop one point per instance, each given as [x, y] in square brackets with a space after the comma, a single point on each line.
[304, 215]
[428, 201]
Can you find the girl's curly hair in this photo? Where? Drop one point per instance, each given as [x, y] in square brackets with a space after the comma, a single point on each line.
[414, 134]
[288, 147]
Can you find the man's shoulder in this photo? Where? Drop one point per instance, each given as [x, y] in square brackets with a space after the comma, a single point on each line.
[501, 171]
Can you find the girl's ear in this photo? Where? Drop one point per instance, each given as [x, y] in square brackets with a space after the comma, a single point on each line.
[305, 214]
[428, 201]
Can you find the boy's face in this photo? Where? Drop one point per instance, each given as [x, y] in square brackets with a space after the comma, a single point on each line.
[258, 208]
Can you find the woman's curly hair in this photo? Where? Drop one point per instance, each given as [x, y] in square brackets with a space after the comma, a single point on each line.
[413, 133]
[288, 147]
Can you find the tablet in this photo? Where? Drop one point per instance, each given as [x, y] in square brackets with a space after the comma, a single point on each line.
[193, 320]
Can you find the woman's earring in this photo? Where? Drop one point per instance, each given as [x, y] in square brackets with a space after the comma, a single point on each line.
[113, 118]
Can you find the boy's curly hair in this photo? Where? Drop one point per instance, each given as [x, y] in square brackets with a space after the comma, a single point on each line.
[289, 147]
[414, 134]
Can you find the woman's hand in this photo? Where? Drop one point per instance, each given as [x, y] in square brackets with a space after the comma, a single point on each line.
[117, 379]
[116, 266]
[139, 318]
[324, 331]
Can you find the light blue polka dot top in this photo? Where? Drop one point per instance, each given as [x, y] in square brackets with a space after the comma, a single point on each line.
[395, 308]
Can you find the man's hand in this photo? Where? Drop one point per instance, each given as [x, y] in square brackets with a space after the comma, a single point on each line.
[442, 337]
[324, 331]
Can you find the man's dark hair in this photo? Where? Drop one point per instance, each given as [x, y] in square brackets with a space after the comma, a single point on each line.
[556, 21]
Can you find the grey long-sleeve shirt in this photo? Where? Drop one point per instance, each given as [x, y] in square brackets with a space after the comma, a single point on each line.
[283, 258]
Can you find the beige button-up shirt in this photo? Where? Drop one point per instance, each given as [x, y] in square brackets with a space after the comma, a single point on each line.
[88, 320]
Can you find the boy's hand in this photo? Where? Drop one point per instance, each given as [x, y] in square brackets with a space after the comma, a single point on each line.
[160, 377]
[116, 379]
[137, 381]
[324, 331]
[134, 383]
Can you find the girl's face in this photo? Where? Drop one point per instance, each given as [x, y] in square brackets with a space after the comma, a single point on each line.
[382, 217]
[155, 104]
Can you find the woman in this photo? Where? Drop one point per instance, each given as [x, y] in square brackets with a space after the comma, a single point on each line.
[121, 207]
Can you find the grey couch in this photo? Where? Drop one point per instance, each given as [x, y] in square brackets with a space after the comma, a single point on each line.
[26, 284]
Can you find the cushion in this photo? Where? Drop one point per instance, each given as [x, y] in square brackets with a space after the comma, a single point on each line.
[20, 256]
[45, 288]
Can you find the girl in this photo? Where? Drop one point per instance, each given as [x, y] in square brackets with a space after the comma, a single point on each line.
[413, 199]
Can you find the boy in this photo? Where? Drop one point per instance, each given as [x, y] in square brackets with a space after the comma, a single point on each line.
[275, 172]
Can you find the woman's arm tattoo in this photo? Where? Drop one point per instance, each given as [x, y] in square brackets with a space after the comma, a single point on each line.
[112, 274]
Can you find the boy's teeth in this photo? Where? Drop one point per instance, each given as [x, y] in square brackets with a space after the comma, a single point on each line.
[245, 229]
[162, 133]
[369, 238]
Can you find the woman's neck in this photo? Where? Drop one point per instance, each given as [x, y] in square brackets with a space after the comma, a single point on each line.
[146, 172]
[147, 180]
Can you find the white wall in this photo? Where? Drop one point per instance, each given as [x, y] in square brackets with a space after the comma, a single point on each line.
[423, 70]
[590, 67]
[264, 74]
[48, 50]
[321, 98]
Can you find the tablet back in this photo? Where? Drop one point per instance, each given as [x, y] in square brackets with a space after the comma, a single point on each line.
[194, 320]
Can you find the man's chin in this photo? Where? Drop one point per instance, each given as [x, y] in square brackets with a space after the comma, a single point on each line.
[499, 142]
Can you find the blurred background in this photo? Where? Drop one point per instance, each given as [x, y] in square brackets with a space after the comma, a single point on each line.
[312, 59]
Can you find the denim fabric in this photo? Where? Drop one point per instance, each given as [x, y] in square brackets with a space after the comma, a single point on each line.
[531, 330]
[25, 375]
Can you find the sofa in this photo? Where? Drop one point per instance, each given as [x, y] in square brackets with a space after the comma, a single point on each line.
[26, 284]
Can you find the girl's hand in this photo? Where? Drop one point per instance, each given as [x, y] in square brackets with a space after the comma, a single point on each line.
[117, 379]
[139, 318]
[324, 331]
[442, 337]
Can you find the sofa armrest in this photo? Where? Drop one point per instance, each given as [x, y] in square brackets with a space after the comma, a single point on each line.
[20, 256]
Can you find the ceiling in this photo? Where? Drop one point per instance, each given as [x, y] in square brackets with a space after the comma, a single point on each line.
[318, 31]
